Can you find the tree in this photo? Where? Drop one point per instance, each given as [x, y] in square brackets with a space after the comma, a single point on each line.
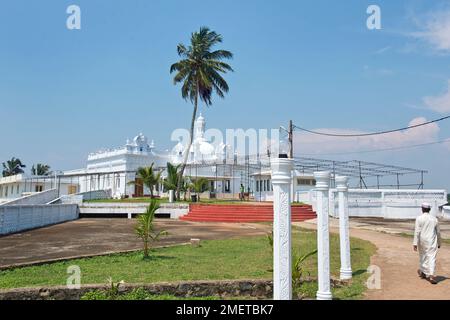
[144, 228]
[199, 185]
[40, 170]
[200, 71]
[149, 178]
[12, 167]
[171, 182]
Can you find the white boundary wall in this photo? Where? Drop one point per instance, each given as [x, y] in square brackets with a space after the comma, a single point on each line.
[446, 212]
[386, 203]
[96, 194]
[17, 218]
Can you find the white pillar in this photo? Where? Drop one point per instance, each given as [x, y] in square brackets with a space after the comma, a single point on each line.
[323, 236]
[282, 259]
[344, 233]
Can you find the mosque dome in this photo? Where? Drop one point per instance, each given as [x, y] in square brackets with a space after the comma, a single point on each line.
[206, 149]
[140, 139]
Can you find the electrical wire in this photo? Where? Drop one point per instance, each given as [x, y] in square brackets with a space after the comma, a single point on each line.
[381, 150]
[372, 133]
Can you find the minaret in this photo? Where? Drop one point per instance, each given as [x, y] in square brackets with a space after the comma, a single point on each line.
[199, 127]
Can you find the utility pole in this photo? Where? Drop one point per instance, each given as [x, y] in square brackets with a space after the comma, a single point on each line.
[291, 140]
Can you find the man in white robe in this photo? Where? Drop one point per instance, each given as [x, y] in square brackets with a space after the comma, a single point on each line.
[427, 240]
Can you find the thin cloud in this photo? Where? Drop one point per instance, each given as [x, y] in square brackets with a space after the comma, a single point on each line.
[383, 50]
[440, 103]
[434, 30]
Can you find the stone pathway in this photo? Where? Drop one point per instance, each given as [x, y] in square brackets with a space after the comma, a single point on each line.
[398, 263]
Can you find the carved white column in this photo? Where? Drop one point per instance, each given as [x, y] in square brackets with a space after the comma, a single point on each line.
[282, 265]
[344, 233]
[323, 236]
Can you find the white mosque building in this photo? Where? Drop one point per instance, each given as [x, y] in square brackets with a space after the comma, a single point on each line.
[114, 169]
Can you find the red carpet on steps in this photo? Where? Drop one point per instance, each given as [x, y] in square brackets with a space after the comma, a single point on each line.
[242, 213]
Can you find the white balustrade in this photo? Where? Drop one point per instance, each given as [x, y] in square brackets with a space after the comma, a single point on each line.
[282, 257]
[323, 235]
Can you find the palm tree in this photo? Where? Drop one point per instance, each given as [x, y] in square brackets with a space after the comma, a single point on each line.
[171, 182]
[12, 167]
[149, 178]
[144, 228]
[199, 185]
[40, 170]
[200, 71]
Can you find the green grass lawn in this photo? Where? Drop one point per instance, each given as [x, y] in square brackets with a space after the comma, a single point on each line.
[246, 258]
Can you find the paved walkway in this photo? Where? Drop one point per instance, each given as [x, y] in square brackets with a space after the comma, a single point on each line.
[398, 263]
[86, 237]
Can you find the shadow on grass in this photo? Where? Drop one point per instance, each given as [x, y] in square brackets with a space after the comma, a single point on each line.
[359, 272]
[156, 257]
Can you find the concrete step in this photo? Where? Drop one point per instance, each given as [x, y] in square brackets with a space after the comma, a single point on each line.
[235, 220]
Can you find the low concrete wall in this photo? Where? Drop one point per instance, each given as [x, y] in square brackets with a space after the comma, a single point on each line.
[96, 195]
[259, 288]
[175, 210]
[69, 199]
[17, 218]
[232, 288]
[446, 212]
[43, 197]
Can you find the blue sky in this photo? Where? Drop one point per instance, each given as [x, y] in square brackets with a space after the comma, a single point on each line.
[65, 93]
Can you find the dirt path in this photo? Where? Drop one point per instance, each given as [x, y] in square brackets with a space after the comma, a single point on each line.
[399, 264]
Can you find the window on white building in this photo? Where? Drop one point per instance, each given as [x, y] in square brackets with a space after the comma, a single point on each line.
[306, 182]
[227, 185]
